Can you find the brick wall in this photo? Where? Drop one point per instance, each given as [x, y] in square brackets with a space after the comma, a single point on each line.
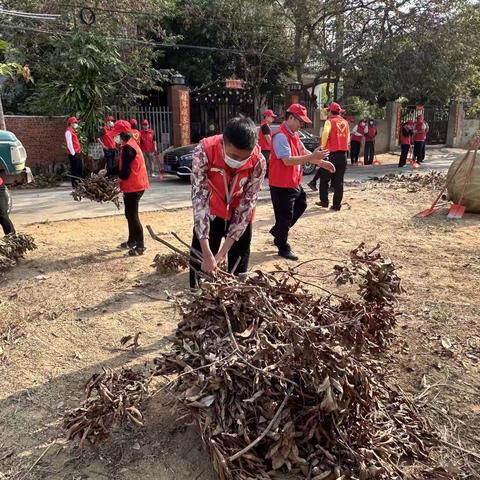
[42, 138]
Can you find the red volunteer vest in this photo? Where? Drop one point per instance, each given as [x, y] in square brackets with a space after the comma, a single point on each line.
[371, 134]
[1, 181]
[405, 139]
[138, 179]
[226, 184]
[107, 138]
[262, 141]
[360, 133]
[147, 140]
[136, 135]
[339, 132]
[421, 132]
[75, 141]
[279, 174]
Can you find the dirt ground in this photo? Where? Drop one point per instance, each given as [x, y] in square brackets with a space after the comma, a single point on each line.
[64, 309]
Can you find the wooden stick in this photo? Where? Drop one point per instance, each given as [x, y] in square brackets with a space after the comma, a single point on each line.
[461, 449]
[38, 459]
[262, 435]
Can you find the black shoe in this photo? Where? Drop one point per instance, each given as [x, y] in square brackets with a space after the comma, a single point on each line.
[323, 205]
[125, 245]
[312, 186]
[136, 251]
[336, 209]
[288, 254]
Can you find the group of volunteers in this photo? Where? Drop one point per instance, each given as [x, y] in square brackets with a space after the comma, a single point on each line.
[145, 138]
[228, 171]
[133, 164]
[413, 133]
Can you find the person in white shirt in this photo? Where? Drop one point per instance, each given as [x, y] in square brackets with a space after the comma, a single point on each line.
[74, 151]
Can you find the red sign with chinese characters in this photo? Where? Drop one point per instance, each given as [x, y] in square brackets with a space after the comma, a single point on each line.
[184, 117]
[234, 84]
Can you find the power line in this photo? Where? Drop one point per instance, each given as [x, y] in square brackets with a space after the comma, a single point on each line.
[148, 42]
[29, 15]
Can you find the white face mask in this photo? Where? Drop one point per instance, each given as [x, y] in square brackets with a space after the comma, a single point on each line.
[75, 125]
[234, 163]
[110, 124]
[117, 139]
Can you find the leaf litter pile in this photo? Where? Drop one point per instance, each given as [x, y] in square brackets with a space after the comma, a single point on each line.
[414, 182]
[98, 189]
[13, 247]
[170, 263]
[277, 378]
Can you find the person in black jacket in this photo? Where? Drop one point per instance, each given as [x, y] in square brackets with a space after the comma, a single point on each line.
[5, 221]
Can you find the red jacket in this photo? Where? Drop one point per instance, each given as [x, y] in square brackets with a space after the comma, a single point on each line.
[147, 140]
[358, 137]
[371, 134]
[1, 181]
[75, 141]
[264, 145]
[226, 184]
[281, 175]
[138, 178]
[107, 138]
[420, 131]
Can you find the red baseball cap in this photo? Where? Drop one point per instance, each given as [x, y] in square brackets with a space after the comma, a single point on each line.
[109, 119]
[72, 120]
[121, 126]
[269, 113]
[335, 107]
[299, 111]
[145, 122]
[134, 123]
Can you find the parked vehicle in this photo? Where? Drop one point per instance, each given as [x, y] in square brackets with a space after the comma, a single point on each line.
[12, 161]
[179, 160]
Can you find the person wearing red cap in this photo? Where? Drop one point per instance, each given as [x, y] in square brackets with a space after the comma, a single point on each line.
[370, 134]
[265, 134]
[5, 221]
[108, 144]
[73, 147]
[285, 176]
[335, 138]
[148, 146]
[358, 134]
[135, 132]
[227, 174]
[420, 131]
[406, 134]
[133, 183]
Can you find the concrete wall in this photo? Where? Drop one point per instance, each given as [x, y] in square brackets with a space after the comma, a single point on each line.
[42, 138]
[460, 129]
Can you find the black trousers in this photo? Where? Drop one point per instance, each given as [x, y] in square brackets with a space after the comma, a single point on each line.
[354, 151]
[403, 155]
[109, 156]
[369, 153]
[5, 221]
[339, 160]
[131, 201]
[288, 206]
[240, 249]
[76, 168]
[419, 151]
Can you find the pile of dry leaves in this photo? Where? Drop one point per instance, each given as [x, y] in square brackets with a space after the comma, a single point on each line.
[170, 263]
[14, 247]
[111, 398]
[278, 378]
[414, 182]
[98, 189]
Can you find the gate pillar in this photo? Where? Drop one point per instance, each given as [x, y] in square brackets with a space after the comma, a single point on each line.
[179, 103]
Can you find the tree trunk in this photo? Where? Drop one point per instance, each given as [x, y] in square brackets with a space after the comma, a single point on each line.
[2, 117]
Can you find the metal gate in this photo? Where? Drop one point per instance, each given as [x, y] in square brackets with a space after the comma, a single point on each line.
[435, 116]
[160, 119]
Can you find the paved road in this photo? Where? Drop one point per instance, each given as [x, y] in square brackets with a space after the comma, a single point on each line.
[31, 206]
